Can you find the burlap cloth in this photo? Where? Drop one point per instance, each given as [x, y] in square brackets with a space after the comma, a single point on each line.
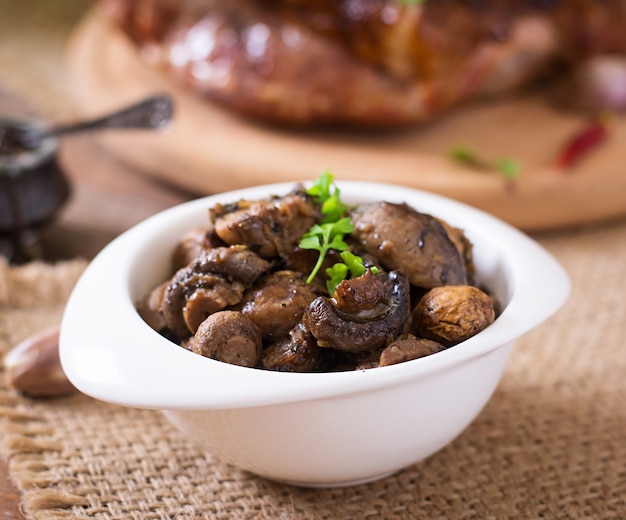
[550, 444]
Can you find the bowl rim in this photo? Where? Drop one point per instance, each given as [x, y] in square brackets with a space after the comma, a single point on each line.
[130, 370]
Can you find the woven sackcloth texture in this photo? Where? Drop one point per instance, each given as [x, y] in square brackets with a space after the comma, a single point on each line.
[550, 444]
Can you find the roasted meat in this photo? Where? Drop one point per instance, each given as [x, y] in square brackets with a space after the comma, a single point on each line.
[380, 63]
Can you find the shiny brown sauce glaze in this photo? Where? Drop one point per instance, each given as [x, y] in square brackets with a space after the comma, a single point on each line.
[378, 63]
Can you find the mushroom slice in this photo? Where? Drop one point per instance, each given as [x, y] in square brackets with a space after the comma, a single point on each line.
[407, 348]
[409, 241]
[229, 336]
[190, 297]
[214, 280]
[298, 352]
[363, 330]
[276, 304]
[453, 313]
[215, 294]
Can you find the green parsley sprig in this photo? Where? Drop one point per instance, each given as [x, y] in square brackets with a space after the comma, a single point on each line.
[326, 193]
[323, 238]
[330, 233]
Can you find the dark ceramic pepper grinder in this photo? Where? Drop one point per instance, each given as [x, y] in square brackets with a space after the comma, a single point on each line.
[33, 188]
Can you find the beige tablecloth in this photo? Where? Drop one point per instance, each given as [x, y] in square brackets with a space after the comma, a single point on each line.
[550, 444]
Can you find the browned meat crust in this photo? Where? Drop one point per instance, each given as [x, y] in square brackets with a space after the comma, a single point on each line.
[373, 62]
[381, 63]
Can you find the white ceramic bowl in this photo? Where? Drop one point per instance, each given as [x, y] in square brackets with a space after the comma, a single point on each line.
[312, 429]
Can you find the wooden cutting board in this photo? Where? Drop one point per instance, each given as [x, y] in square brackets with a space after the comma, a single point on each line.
[208, 149]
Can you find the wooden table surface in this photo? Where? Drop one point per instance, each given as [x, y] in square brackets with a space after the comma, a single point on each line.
[107, 198]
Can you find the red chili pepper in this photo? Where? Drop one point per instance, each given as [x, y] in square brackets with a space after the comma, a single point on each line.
[581, 144]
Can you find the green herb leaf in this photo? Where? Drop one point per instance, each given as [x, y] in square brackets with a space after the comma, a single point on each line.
[336, 274]
[464, 155]
[325, 237]
[321, 187]
[328, 195]
[330, 234]
[343, 226]
[310, 242]
[352, 265]
[507, 167]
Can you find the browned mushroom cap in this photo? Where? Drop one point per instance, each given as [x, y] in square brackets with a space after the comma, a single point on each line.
[408, 348]
[453, 313]
[415, 243]
[213, 293]
[464, 247]
[150, 308]
[230, 337]
[190, 297]
[296, 353]
[214, 280]
[360, 294]
[361, 331]
[235, 262]
[270, 227]
[277, 303]
[192, 244]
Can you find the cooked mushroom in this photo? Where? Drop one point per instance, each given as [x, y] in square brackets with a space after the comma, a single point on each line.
[235, 262]
[298, 352]
[407, 348]
[229, 336]
[192, 244]
[465, 248]
[368, 360]
[415, 243]
[360, 294]
[150, 308]
[241, 295]
[453, 313]
[190, 297]
[270, 227]
[213, 293]
[214, 280]
[362, 329]
[276, 304]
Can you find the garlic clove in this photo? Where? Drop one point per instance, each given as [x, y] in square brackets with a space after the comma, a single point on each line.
[33, 367]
